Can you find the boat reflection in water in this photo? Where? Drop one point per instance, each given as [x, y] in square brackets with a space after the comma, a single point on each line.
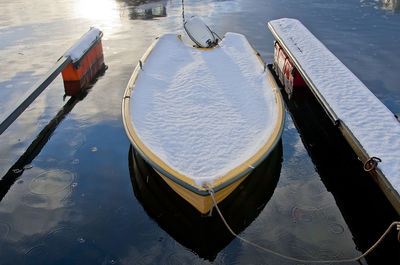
[149, 9]
[203, 234]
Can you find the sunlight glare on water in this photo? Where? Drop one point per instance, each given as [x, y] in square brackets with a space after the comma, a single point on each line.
[104, 10]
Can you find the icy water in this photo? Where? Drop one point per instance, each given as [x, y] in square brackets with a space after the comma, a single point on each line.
[81, 196]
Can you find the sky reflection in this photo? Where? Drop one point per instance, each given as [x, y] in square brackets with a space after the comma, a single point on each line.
[43, 193]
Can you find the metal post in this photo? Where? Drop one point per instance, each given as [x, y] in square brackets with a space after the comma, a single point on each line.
[34, 92]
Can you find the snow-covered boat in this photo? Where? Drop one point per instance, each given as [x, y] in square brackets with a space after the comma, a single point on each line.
[203, 118]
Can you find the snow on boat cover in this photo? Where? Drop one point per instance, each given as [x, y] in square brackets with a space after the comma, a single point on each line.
[370, 121]
[204, 112]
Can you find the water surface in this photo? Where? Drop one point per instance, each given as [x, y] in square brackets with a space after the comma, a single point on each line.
[73, 199]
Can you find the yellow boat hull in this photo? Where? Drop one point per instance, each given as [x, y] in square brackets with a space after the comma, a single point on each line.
[202, 203]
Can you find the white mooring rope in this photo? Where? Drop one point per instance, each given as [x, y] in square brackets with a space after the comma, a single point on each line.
[397, 224]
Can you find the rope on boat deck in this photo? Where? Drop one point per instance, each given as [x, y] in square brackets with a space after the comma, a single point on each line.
[397, 224]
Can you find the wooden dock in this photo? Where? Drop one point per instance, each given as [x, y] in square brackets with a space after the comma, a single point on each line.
[370, 128]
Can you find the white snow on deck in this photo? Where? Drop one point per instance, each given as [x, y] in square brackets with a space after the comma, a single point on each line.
[370, 121]
[203, 112]
[83, 45]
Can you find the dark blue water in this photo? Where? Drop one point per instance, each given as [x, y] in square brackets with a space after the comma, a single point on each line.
[72, 192]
